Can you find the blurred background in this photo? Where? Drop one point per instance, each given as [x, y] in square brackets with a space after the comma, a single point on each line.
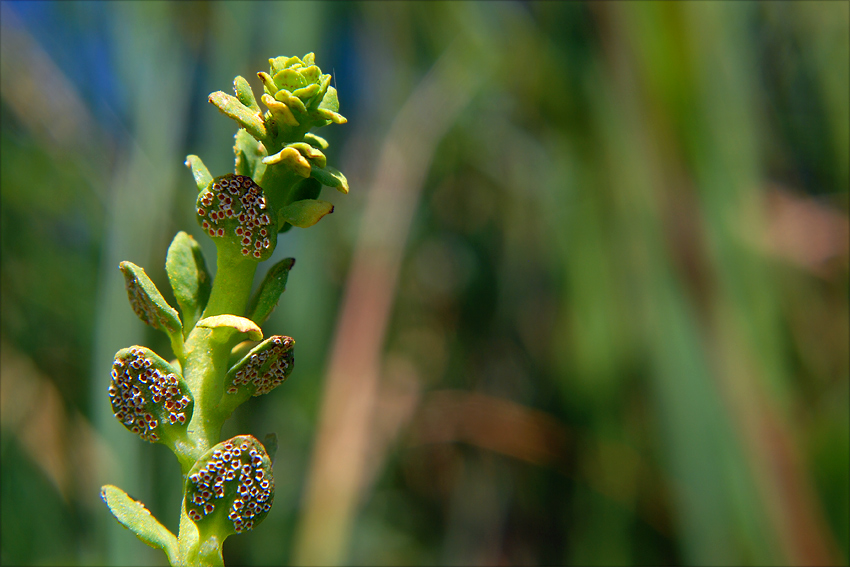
[586, 303]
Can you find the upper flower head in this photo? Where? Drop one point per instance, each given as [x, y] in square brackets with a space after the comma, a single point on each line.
[300, 86]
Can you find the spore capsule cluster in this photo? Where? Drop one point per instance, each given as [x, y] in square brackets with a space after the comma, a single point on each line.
[236, 475]
[234, 206]
[146, 395]
[266, 368]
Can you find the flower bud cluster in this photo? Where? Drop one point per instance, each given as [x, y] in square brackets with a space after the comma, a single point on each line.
[297, 87]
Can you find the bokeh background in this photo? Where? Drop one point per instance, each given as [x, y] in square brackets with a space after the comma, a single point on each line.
[586, 303]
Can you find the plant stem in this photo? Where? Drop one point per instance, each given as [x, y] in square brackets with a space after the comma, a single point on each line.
[205, 358]
[206, 355]
[192, 551]
[232, 284]
[206, 364]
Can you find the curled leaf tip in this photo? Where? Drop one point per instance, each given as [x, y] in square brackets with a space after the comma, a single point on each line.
[234, 323]
[292, 158]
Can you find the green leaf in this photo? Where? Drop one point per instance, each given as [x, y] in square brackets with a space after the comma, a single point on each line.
[304, 213]
[330, 177]
[268, 294]
[314, 155]
[329, 108]
[293, 159]
[290, 100]
[249, 155]
[245, 94]
[311, 73]
[147, 302]
[199, 171]
[279, 110]
[230, 489]
[268, 83]
[289, 79]
[277, 63]
[316, 101]
[316, 141]
[330, 101]
[305, 93]
[190, 280]
[133, 515]
[247, 118]
[234, 323]
[149, 396]
[264, 368]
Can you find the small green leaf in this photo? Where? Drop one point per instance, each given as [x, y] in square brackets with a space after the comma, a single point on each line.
[289, 79]
[330, 177]
[190, 280]
[149, 396]
[268, 83]
[279, 110]
[293, 159]
[305, 213]
[147, 302]
[311, 73]
[268, 294]
[316, 141]
[290, 100]
[331, 116]
[133, 515]
[264, 368]
[316, 101]
[245, 94]
[199, 171]
[330, 101]
[247, 118]
[277, 64]
[314, 155]
[329, 107]
[234, 323]
[230, 489]
[249, 155]
[305, 93]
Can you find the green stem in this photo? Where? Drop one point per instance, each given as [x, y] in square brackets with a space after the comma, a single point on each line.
[232, 284]
[206, 355]
[193, 551]
[205, 362]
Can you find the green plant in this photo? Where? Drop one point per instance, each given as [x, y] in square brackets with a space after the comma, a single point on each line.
[221, 358]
